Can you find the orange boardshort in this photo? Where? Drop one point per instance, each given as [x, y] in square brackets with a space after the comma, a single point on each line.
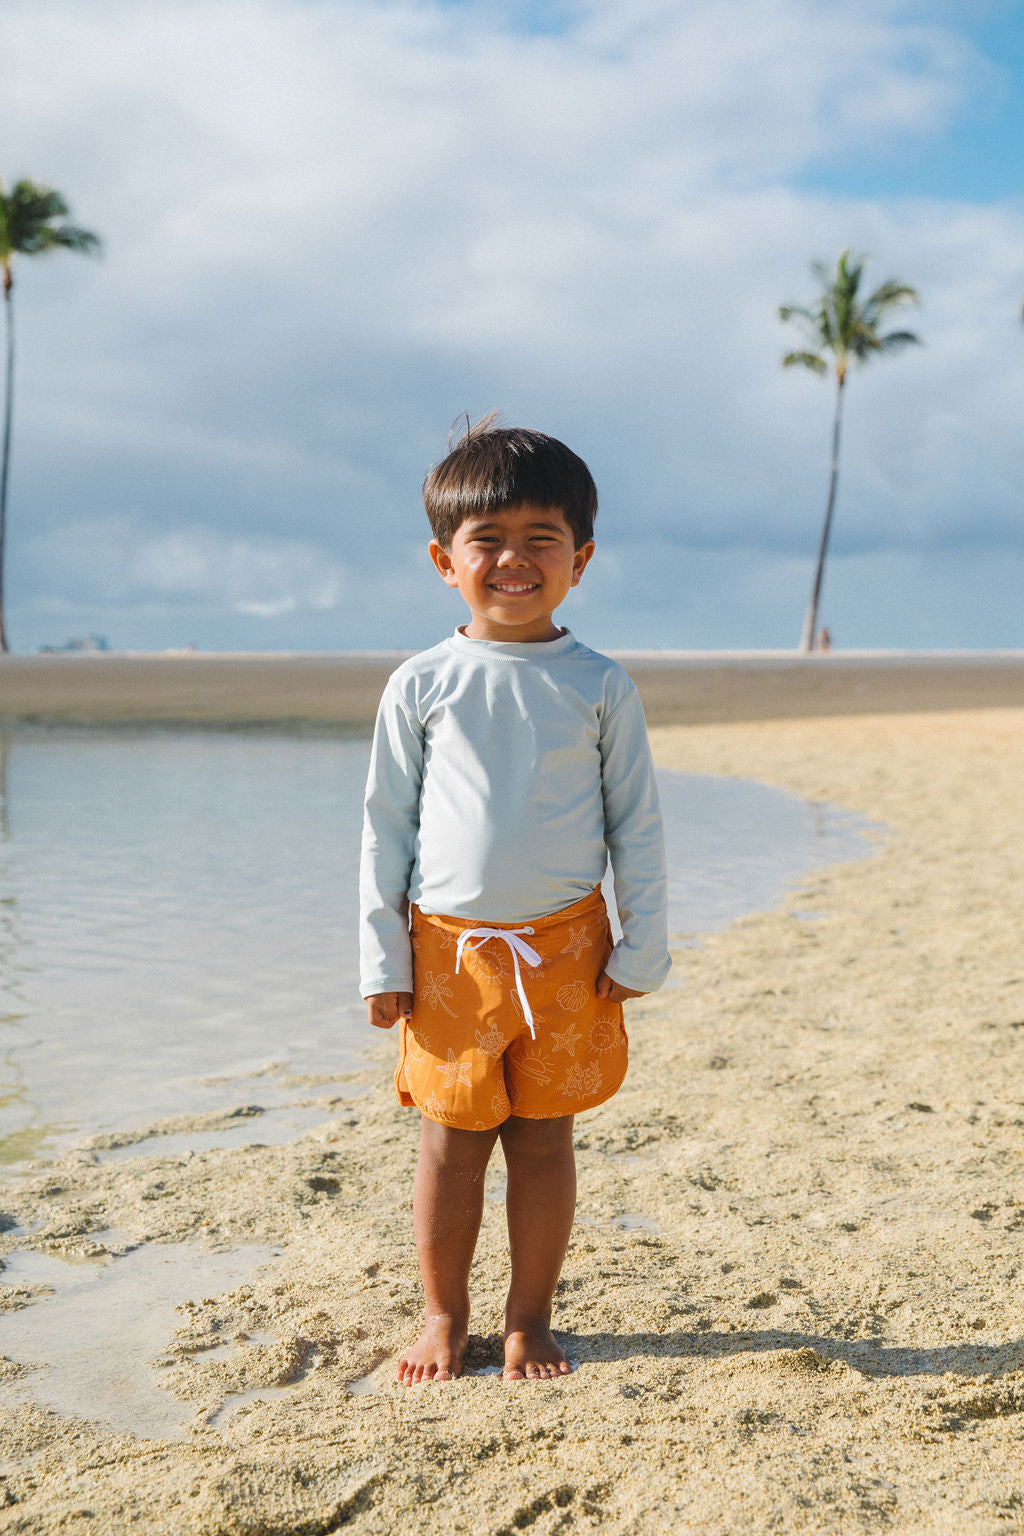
[468, 1058]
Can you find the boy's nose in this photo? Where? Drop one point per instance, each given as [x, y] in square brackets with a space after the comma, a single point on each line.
[511, 555]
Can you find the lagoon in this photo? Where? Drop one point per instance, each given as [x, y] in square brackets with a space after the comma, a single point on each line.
[177, 922]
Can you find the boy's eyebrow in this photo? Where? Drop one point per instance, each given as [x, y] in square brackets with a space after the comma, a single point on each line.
[481, 524]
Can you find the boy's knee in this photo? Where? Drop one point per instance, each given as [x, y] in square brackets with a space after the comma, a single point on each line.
[448, 1144]
[537, 1139]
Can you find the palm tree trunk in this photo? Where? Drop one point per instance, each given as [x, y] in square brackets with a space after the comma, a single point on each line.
[5, 452]
[811, 617]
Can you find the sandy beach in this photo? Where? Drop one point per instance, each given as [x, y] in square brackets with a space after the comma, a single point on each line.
[792, 1295]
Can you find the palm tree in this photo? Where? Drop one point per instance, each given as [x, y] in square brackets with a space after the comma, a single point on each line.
[842, 329]
[28, 226]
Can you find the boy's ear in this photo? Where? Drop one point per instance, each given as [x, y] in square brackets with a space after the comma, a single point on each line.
[581, 559]
[443, 561]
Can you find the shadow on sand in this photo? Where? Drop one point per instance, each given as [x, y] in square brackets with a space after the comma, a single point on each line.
[868, 1356]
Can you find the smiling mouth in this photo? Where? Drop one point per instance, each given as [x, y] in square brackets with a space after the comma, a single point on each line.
[514, 587]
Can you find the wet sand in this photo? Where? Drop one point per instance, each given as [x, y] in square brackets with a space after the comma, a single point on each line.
[792, 1294]
[342, 689]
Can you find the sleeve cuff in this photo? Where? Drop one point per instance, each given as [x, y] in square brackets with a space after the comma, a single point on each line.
[384, 984]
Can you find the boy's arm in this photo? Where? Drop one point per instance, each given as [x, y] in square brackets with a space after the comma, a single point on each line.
[390, 825]
[640, 961]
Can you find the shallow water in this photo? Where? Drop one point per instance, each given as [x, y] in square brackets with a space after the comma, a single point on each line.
[178, 911]
[93, 1337]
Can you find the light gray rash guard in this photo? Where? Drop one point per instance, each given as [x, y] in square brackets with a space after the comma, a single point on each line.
[501, 778]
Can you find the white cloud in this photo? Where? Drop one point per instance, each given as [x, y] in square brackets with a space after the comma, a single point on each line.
[117, 560]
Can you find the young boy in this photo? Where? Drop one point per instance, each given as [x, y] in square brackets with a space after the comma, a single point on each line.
[508, 763]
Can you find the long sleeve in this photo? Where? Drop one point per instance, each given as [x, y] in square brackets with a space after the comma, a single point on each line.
[636, 843]
[390, 828]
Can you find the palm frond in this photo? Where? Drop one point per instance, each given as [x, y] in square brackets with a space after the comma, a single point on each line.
[809, 360]
[797, 312]
[842, 323]
[897, 340]
[28, 222]
[890, 293]
[68, 237]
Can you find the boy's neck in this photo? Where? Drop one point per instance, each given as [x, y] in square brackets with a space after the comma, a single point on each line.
[535, 633]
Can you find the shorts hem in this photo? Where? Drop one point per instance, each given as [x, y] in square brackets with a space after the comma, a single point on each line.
[573, 1109]
[407, 1102]
[452, 1125]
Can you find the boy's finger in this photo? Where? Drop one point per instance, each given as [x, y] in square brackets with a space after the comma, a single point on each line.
[404, 1008]
[604, 985]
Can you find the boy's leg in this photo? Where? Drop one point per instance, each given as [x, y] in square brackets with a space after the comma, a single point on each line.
[541, 1203]
[448, 1203]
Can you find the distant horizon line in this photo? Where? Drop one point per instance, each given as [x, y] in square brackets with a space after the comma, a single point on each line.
[774, 653]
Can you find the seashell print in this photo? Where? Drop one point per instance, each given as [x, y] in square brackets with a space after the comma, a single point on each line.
[573, 996]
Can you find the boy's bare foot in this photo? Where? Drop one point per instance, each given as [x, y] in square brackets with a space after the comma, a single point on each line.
[437, 1353]
[531, 1354]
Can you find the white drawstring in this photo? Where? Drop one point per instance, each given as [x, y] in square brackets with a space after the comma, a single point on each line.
[517, 946]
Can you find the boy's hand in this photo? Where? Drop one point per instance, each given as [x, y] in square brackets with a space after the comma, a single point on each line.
[386, 1008]
[606, 988]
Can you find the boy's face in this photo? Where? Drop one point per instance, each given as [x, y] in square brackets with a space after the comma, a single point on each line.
[513, 567]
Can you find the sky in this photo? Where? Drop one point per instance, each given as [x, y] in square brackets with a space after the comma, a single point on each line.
[331, 227]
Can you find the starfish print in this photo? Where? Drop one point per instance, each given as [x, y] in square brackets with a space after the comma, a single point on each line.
[435, 989]
[564, 1040]
[456, 1071]
[578, 942]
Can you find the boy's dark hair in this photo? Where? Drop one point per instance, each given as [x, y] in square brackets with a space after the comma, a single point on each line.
[491, 467]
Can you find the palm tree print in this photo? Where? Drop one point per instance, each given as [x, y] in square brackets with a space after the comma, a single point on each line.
[435, 989]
